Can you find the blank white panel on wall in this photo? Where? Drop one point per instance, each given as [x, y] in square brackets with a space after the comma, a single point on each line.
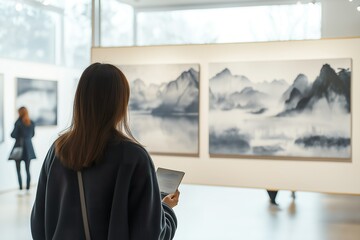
[272, 173]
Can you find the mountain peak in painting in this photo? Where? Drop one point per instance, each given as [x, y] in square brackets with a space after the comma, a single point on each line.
[224, 82]
[180, 95]
[143, 97]
[224, 73]
[295, 92]
[329, 85]
[301, 83]
[328, 81]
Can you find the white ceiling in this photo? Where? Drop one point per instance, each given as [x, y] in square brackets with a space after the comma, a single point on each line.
[152, 4]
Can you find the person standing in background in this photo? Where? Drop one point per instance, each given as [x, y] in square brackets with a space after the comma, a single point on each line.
[23, 132]
[272, 195]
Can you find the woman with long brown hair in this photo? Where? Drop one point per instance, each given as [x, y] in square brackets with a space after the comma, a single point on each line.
[24, 130]
[97, 181]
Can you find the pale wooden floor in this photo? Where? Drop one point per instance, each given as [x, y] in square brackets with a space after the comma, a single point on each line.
[218, 213]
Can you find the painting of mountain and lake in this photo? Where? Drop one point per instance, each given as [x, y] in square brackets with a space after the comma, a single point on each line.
[164, 107]
[297, 109]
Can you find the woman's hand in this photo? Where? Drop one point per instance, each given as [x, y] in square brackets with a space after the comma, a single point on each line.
[172, 199]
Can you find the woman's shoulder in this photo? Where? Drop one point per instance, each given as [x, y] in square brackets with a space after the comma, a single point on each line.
[133, 147]
[132, 150]
[18, 122]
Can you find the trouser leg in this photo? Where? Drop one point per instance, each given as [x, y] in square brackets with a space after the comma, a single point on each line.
[272, 195]
[18, 173]
[28, 177]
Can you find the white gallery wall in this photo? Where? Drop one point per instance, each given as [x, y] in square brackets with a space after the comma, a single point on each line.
[291, 174]
[44, 135]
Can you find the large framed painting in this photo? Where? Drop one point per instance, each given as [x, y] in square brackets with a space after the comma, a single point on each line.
[40, 98]
[1, 108]
[164, 107]
[298, 109]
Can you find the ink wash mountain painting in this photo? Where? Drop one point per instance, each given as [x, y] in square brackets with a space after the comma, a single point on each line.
[40, 98]
[296, 109]
[164, 107]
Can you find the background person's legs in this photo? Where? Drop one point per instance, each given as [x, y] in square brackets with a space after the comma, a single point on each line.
[272, 195]
[28, 177]
[18, 162]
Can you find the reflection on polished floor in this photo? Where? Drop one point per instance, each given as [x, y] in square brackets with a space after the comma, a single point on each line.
[219, 213]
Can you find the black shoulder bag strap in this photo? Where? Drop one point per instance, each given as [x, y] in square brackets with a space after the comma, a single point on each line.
[83, 206]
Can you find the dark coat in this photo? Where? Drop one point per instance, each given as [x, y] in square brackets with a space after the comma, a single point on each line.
[122, 199]
[23, 134]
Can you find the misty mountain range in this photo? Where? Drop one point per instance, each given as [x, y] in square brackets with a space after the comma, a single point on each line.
[180, 96]
[229, 91]
[329, 85]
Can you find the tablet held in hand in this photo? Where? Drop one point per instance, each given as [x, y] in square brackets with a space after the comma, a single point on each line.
[169, 180]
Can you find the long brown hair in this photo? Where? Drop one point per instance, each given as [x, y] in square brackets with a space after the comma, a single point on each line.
[24, 116]
[100, 112]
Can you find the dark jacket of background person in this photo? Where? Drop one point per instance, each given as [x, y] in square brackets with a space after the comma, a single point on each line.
[124, 199]
[24, 133]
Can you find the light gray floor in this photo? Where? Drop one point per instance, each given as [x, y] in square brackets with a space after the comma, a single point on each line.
[218, 213]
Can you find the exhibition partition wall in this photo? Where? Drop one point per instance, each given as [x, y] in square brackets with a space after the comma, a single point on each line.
[47, 91]
[275, 115]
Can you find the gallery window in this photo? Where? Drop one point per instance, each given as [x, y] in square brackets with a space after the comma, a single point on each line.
[77, 33]
[51, 31]
[241, 24]
[27, 33]
[116, 24]
[212, 25]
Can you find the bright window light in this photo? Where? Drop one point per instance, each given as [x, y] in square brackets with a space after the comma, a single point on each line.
[240, 24]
